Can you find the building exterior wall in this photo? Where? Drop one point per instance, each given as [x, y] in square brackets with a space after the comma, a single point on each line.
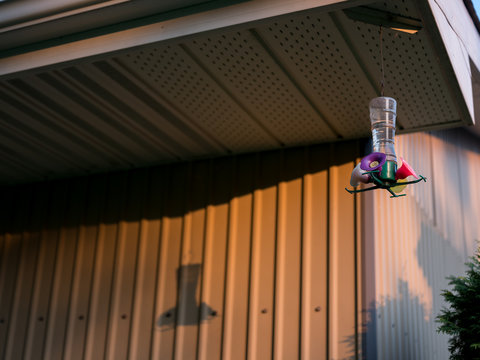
[418, 241]
[254, 256]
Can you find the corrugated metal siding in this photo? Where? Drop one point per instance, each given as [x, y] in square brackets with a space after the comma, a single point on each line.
[421, 239]
[251, 256]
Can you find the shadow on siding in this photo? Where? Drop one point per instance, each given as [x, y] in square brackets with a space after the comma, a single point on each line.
[162, 191]
[400, 321]
[188, 312]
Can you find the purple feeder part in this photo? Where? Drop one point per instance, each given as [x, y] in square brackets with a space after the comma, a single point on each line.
[373, 161]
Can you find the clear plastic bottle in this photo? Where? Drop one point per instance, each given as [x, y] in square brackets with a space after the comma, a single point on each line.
[383, 113]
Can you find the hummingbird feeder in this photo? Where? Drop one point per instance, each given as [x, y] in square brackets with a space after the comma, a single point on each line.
[381, 167]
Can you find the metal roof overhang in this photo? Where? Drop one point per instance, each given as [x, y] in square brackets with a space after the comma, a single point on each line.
[215, 78]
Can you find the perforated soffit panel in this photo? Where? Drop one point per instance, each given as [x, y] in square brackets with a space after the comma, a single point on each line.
[298, 79]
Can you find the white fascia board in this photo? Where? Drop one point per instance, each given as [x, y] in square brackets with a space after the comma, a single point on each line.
[460, 21]
[32, 12]
[18, 11]
[462, 43]
[240, 13]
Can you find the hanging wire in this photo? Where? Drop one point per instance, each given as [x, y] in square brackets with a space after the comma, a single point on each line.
[382, 80]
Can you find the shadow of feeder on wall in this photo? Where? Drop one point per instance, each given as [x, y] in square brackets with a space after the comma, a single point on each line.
[187, 312]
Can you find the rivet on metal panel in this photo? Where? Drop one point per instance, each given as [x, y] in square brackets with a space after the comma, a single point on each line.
[213, 313]
[124, 316]
[81, 317]
[264, 311]
[318, 309]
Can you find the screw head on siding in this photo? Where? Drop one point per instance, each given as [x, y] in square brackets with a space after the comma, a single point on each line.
[264, 311]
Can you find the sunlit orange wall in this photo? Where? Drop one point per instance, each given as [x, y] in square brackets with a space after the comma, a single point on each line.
[254, 256]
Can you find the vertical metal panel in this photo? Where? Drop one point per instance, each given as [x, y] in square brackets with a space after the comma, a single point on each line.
[314, 256]
[64, 270]
[100, 301]
[168, 265]
[213, 282]
[44, 272]
[260, 331]
[9, 260]
[126, 263]
[143, 319]
[361, 290]
[288, 259]
[22, 298]
[238, 261]
[253, 256]
[190, 270]
[342, 266]
[83, 271]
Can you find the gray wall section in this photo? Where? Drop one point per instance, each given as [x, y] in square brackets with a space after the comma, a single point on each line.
[253, 256]
[419, 240]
